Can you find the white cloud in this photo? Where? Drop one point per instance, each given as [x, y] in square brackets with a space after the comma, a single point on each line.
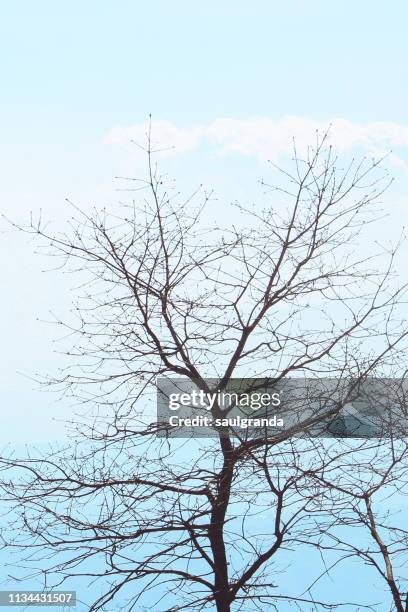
[267, 138]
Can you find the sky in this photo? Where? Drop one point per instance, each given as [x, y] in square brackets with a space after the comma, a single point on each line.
[228, 84]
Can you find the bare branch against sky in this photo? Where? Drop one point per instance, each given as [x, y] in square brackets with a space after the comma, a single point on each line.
[291, 289]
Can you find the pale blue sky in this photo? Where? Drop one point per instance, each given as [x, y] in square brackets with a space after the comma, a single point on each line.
[79, 78]
[73, 72]
[84, 65]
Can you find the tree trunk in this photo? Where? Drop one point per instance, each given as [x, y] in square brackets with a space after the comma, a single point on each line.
[216, 530]
[223, 606]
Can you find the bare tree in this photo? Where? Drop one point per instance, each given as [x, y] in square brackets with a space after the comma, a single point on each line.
[281, 292]
[368, 501]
